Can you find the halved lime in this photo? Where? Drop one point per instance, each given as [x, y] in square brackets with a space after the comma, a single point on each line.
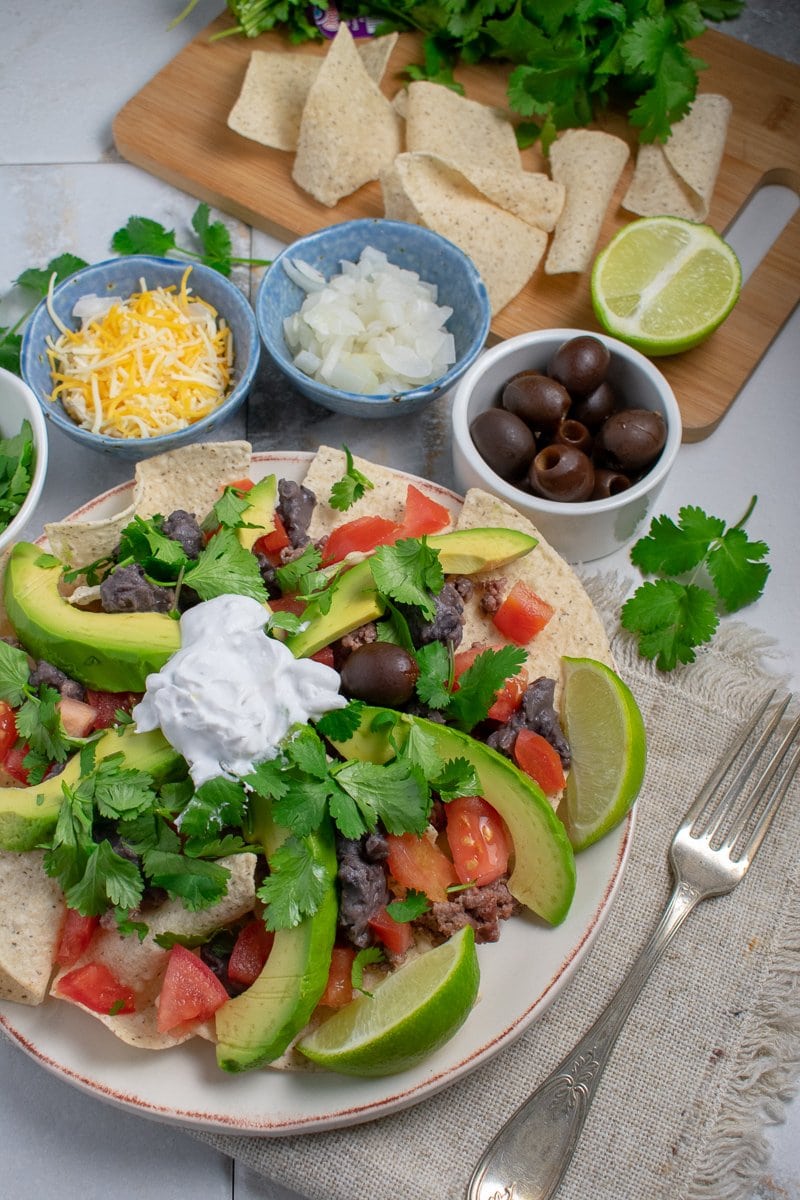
[412, 1012]
[663, 284]
[606, 735]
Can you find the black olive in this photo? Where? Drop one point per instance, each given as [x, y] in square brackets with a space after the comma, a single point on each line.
[609, 483]
[597, 407]
[561, 473]
[536, 399]
[380, 673]
[573, 433]
[580, 364]
[504, 442]
[632, 438]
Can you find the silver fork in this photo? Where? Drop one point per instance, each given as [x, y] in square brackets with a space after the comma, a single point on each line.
[710, 853]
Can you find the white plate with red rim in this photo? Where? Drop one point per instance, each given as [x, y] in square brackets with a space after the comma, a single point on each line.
[185, 1086]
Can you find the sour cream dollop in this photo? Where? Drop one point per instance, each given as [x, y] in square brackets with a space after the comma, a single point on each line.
[229, 696]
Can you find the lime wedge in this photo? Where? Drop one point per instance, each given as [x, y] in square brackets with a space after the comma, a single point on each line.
[412, 1012]
[663, 284]
[606, 735]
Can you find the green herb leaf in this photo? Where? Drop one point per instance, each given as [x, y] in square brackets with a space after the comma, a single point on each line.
[224, 567]
[141, 235]
[350, 487]
[413, 905]
[294, 887]
[409, 572]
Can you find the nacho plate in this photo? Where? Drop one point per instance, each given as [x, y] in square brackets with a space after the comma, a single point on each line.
[184, 1086]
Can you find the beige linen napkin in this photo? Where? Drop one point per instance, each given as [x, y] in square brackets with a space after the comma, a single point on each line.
[709, 1052]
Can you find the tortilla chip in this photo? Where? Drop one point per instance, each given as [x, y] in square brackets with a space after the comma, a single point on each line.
[434, 193]
[349, 131]
[589, 163]
[80, 542]
[386, 498]
[459, 130]
[141, 964]
[575, 629]
[33, 910]
[677, 178]
[270, 105]
[530, 195]
[191, 477]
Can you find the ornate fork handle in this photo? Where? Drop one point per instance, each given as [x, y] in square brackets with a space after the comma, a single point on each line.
[528, 1158]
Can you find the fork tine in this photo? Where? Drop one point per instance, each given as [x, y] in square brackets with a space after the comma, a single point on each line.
[774, 800]
[723, 766]
[734, 788]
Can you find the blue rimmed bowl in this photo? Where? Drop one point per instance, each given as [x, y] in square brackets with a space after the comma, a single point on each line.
[121, 277]
[435, 259]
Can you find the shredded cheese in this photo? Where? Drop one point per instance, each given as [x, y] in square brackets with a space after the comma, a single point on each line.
[150, 364]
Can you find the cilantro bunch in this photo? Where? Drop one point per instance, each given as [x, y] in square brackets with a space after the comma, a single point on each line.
[17, 463]
[704, 567]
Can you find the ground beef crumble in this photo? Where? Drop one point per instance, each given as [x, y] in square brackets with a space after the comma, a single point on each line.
[481, 907]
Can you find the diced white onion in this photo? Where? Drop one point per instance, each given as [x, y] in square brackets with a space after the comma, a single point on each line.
[373, 329]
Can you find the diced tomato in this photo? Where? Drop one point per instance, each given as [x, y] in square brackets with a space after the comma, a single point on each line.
[250, 952]
[8, 729]
[522, 614]
[241, 485]
[508, 697]
[76, 934]
[535, 756]
[339, 988]
[325, 655]
[106, 704]
[190, 992]
[94, 986]
[362, 534]
[77, 718]
[290, 604]
[395, 935]
[422, 514]
[418, 863]
[14, 760]
[270, 544]
[478, 840]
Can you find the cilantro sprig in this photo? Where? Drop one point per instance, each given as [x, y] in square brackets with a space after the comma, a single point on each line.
[350, 487]
[17, 462]
[704, 567]
[37, 715]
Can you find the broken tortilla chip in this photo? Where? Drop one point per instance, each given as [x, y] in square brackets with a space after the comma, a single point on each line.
[349, 132]
[677, 178]
[29, 931]
[589, 163]
[191, 477]
[275, 88]
[460, 131]
[434, 193]
[78, 543]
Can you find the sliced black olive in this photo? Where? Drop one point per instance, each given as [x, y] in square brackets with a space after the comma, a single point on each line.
[504, 442]
[580, 364]
[573, 433]
[561, 473]
[609, 483]
[380, 673]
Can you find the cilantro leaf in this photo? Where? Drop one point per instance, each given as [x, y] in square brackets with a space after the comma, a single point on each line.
[294, 887]
[396, 792]
[216, 803]
[108, 878]
[38, 278]
[14, 673]
[479, 684]
[670, 619]
[434, 682]
[141, 235]
[215, 240]
[10, 347]
[198, 883]
[350, 487]
[365, 958]
[413, 905]
[457, 778]
[224, 567]
[409, 572]
[340, 724]
[737, 570]
[670, 549]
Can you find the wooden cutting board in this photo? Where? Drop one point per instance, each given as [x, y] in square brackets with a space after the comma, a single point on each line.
[175, 127]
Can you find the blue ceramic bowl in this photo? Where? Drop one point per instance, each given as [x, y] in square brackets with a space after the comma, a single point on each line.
[434, 258]
[120, 277]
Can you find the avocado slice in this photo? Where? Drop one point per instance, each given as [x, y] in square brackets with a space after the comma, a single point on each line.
[355, 600]
[543, 876]
[28, 814]
[259, 516]
[258, 1026]
[113, 652]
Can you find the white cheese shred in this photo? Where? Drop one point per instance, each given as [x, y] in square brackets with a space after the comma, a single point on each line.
[139, 367]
